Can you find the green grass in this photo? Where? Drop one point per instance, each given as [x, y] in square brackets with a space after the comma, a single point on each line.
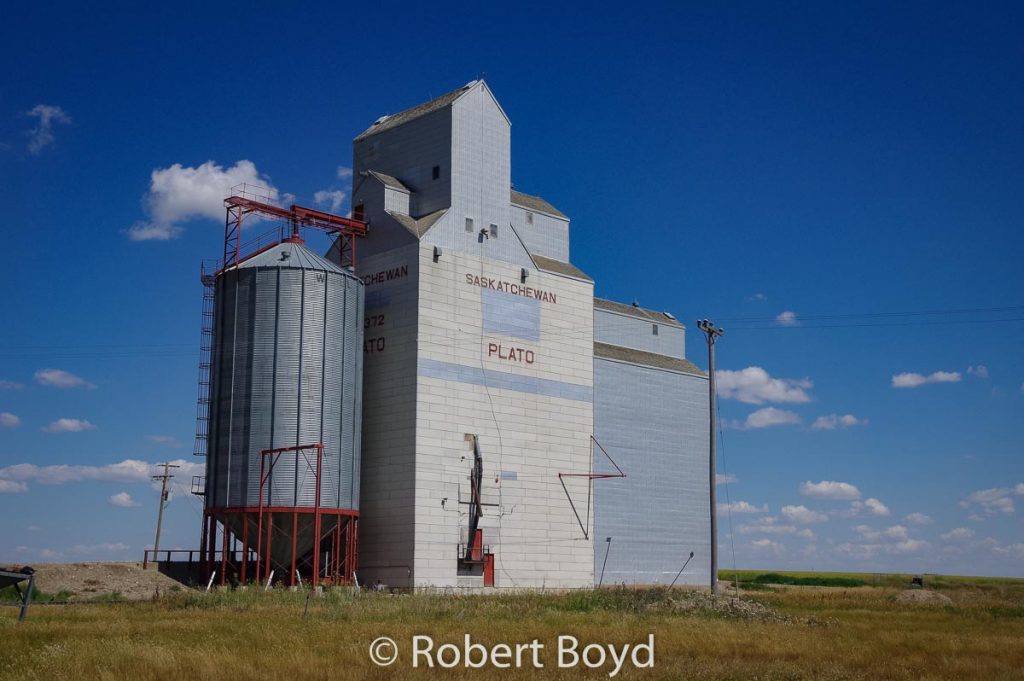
[833, 633]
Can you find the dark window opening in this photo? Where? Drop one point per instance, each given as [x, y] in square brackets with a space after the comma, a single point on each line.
[654, 329]
[494, 230]
[436, 172]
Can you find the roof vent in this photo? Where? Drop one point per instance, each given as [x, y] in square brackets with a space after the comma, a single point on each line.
[636, 303]
[381, 119]
[285, 255]
[669, 315]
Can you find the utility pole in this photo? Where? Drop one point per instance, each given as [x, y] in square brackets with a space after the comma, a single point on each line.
[712, 333]
[163, 478]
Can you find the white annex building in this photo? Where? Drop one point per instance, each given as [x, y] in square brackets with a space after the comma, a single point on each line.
[490, 371]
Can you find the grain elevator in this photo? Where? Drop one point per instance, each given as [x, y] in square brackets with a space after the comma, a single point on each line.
[510, 430]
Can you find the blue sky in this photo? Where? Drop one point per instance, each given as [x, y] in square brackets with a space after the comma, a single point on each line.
[736, 162]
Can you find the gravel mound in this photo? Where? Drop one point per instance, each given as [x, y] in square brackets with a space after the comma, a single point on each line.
[702, 602]
[923, 596]
[92, 580]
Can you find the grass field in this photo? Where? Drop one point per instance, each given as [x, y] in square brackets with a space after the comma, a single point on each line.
[792, 632]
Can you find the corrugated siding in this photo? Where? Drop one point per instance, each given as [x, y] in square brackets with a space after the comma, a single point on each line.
[287, 363]
[636, 333]
[655, 425]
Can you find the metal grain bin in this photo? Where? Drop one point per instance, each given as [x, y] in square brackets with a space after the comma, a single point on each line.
[286, 371]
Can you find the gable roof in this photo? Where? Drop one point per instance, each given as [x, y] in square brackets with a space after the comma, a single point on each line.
[390, 181]
[535, 203]
[418, 226]
[394, 120]
[636, 311]
[649, 359]
[558, 267]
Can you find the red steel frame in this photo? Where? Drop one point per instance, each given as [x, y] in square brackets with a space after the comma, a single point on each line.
[238, 207]
[344, 550]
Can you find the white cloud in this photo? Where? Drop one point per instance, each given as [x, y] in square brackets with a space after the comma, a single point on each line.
[129, 470]
[918, 519]
[911, 380]
[867, 533]
[123, 500]
[69, 426]
[787, 318]
[908, 546]
[742, 507]
[833, 421]
[331, 199]
[897, 532]
[12, 486]
[725, 478]
[768, 546]
[1013, 550]
[58, 378]
[99, 550]
[181, 193]
[958, 534]
[994, 500]
[9, 420]
[802, 515]
[980, 371]
[344, 172]
[10, 385]
[767, 417]
[806, 533]
[876, 507]
[767, 525]
[829, 489]
[760, 297]
[754, 385]
[41, 136]
[168, 440]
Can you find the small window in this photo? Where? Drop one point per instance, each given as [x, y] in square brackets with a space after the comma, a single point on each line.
[436, 172]
[529, 218]
[469, 224]
[494, 231]
[654, 329]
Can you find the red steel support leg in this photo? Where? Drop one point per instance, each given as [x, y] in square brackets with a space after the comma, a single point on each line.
[295, 542]
[336, 563]
[211, 544]
[245, 546]
[270, 535]
[203, 566]
[316, 517]
[224, 550]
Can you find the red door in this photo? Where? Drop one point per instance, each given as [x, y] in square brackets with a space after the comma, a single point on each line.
[488, 569]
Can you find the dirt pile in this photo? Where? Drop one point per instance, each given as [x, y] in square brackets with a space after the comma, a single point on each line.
[698, 602]
[92, 580]
[923, 596]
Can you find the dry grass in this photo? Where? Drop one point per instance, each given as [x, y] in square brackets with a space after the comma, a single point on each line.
[824, 633]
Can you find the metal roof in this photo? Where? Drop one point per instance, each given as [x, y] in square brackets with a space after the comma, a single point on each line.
[418, 226]
[390, 181]
[535, 203]
[290, 254]
[648, 359]
[559, 267]
[394, 120]
[635, 311]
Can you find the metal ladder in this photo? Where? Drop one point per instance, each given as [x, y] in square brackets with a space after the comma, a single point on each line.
[205, 351]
